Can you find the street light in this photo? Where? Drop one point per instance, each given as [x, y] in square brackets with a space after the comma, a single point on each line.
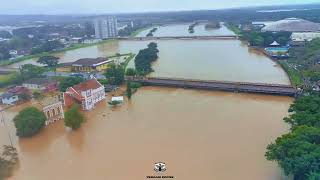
[4, 122]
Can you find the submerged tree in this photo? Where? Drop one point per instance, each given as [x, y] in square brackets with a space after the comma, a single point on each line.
[8, 160]
[115, 74]
[73, 117]
[29, 122]
[129, 89]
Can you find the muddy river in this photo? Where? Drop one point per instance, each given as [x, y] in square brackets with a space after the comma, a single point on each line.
[198, 134]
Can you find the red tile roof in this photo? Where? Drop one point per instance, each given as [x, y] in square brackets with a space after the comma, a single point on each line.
[90, 84]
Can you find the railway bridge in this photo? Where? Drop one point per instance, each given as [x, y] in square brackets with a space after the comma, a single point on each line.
[272, 89]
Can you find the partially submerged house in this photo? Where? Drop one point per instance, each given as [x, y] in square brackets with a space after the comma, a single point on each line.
[52, 107]
[87, 94]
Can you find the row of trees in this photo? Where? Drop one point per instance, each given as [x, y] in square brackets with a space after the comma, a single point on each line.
[48, 46]
[263, 39]
[145, 57]
[298, 152]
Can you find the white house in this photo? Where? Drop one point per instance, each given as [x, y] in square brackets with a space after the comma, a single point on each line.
[88, 94]
[9, 98]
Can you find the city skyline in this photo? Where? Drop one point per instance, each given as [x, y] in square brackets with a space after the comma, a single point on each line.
[127, 6]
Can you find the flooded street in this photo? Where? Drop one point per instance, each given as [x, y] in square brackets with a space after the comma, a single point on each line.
[198, 134]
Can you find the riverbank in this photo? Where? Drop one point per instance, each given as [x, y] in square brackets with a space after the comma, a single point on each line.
[293, 74]
[137, 32]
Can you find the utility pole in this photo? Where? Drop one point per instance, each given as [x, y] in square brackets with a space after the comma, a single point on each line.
[5, 126]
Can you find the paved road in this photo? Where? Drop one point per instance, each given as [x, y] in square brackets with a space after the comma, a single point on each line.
[66, 74]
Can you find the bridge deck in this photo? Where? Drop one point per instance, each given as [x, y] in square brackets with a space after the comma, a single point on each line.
[275, 89]
[226, 37]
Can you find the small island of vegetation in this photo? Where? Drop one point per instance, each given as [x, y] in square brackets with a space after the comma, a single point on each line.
[150, 34]
[191, 27]
[213, 25]
[145, 57]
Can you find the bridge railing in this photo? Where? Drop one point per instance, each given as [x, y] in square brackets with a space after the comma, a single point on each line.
[215, 81]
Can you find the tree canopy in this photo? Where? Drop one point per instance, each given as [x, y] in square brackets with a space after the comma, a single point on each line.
[298, 152]
[50, 61]
[305, 111]
[257, 38]
[115, 74]
[29, 122]
[145, 57]
[73, 117]
[69, 82]
[29, 71]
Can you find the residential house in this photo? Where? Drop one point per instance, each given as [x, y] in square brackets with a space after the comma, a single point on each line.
[18, 90]
[9, 98]
[87, 94]
[42, 84]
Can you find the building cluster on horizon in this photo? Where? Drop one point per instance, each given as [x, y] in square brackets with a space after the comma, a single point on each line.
[106, 27]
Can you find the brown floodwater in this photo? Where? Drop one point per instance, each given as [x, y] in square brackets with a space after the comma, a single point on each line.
[198, 134]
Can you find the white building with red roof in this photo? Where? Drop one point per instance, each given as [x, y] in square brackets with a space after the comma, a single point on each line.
[87, 94]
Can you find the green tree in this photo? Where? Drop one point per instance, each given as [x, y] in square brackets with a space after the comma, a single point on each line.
[115, 74]
[73, 117]
[298, 152]
[29, 71]
[145, 57]
[314, 176]
[129, 89]
[8, 160]
[305, 111]
[69, 82]
[131, 72]
[50, 61]
[29, 121]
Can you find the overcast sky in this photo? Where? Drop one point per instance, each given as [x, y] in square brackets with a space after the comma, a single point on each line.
[120, 6]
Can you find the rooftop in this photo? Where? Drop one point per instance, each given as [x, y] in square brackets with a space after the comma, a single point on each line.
[292, 25]
[91, 61]
[7, 95]
[39, 81]
[87, 85]
[50, 100]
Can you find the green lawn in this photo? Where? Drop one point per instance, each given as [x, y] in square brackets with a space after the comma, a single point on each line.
[294, 75]
[8, 79]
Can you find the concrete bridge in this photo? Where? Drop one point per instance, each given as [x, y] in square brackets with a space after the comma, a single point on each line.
[272, 89]
[151, 38]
